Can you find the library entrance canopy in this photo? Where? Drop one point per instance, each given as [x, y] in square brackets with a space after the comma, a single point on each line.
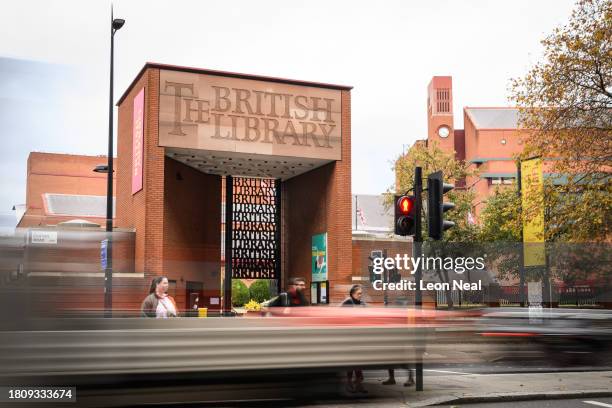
[228, 125]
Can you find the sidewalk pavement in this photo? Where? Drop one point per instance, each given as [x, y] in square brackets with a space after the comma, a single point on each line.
[454, 388]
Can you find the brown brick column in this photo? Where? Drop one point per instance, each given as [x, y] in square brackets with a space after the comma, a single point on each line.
[339, 213]
[154, 183]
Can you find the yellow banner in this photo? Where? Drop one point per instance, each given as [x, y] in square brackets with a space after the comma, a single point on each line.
[532, 194]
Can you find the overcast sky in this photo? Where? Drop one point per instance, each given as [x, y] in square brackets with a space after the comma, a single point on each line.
[56, 100]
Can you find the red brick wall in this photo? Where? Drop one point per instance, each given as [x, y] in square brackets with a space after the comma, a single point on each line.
[61, 174]
[192, 229]
[316, 202]
[339, 212]
[306, 214]
[362, 249]
[142, 211]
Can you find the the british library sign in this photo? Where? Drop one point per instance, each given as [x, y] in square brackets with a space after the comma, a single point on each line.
[217, 113]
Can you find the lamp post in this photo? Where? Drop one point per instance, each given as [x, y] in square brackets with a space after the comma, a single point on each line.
[116, 24]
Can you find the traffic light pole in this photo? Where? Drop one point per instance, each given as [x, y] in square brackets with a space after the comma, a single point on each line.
[416, 254]
[385, 276]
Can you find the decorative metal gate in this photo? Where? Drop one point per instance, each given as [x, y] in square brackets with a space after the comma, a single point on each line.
[252, 234]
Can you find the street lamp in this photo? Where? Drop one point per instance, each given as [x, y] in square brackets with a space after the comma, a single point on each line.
[116, 24]
[101, 168]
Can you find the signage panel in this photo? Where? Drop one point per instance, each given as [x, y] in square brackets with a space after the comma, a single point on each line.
[532, 192]
[137, 141]
[104, 254]
[319, 257]
[43, 237]
[218, 113]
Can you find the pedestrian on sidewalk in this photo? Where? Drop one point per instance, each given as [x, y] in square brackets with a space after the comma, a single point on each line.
[391, 379]
[158, 303]
[410, 381]
[354, 299]
[294, 296]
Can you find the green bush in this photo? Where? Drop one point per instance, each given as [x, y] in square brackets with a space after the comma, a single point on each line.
[260, 290]
[240, 293]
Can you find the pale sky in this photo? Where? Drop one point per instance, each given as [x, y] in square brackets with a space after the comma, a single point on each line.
[387, 50]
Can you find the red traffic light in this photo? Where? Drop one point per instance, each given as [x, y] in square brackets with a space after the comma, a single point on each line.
[405, 204]
[405, 217]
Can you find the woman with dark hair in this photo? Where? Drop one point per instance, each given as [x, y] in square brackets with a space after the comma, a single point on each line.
[158, 303]
[354, 299]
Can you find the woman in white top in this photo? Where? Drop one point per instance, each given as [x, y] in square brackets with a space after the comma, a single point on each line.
[158, 303]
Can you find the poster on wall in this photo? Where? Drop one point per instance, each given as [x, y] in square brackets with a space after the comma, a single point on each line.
[319, 257]
[324, 292]
[314, 293]
[137, 141]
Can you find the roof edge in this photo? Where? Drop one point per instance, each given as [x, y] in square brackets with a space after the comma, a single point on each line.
[491, 107]
[228, 74]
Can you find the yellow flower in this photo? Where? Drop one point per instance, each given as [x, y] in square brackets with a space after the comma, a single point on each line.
[252, 306]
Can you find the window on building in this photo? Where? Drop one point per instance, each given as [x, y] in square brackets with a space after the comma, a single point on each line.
[443, 100]
[508, 180]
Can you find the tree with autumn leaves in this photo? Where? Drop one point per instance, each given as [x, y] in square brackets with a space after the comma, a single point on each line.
[565, 113]
[565, 108]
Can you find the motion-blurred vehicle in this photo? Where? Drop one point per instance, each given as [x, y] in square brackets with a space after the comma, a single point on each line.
[565, 336]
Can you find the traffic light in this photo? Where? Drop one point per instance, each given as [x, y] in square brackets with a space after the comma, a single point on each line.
[436, 207]
[405, 215]
[395, 276]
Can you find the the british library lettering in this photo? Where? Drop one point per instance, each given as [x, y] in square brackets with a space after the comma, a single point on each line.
[254, 230]
[241, 115]
[256, 116]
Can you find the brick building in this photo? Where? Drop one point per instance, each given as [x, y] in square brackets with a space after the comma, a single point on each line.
[62, 187]
[489, 141]
[193, 130]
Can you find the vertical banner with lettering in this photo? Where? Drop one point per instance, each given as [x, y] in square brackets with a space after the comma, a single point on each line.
[137, 141]
[319, 257]
[532, 195]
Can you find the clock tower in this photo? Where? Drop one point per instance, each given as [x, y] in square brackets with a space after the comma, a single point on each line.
[440, 127]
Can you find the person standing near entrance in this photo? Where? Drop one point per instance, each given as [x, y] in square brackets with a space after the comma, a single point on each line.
[354, 299]
[391, 379]
[294, 296]
[158, 303]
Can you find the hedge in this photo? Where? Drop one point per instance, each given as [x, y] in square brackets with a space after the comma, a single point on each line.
[260, 290]
[240, 293]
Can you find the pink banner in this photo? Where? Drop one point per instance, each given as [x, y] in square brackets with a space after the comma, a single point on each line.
[137, 142]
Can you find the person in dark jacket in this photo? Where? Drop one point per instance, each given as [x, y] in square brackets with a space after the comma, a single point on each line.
[355, 296]
[294, 296]
[354, 299]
